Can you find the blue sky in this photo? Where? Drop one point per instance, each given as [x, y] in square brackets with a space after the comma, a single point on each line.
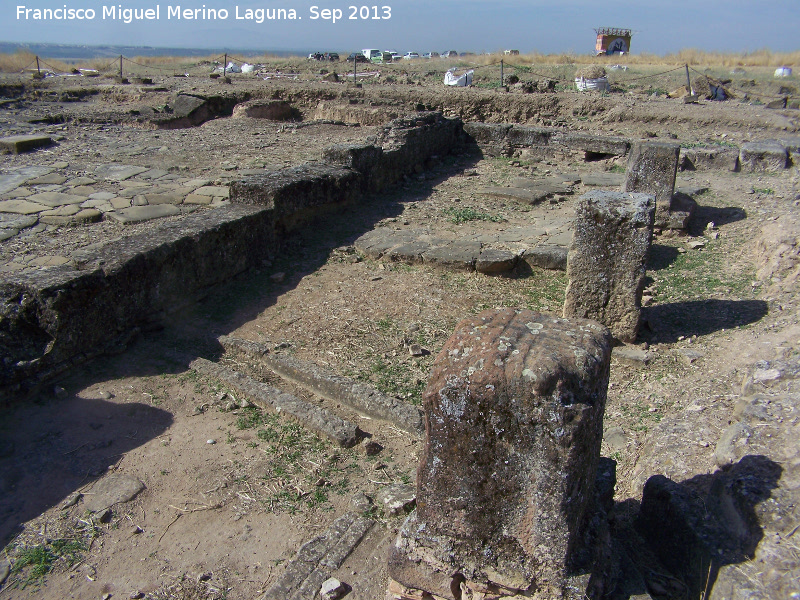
[660, 26]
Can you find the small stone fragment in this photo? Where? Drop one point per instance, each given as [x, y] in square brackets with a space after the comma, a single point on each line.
[371, 448]
[211, 441]
[333, 589]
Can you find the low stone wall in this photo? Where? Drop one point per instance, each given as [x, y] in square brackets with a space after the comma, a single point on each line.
[54, 319]
[504, 140]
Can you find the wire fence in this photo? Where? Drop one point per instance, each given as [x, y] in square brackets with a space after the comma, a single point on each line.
[123, 65]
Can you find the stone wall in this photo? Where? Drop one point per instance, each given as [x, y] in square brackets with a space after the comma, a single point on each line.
[54, 319]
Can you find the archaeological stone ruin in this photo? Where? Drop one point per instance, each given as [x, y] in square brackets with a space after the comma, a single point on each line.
[512, 498]
[514, 412]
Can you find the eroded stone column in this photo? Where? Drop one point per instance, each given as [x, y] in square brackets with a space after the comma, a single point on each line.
[652, 167]
[514, 419]
[606, 261]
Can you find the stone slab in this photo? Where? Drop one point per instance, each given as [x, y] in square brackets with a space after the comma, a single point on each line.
[22, 207]
[50, 178]
[54, 199]
[155, 199]
[114, 172]
[311, 416]
[359, 396]
[16, 222]
[223, 191]
[102, 196]
[526, 196]
[86, 215]
[17, 144]
[110, 490]
[493, 261]
[547, 257]
[769, 156]
[10, 181]
[138, 214]
[76, 181]
[198, 199]
[457, 255]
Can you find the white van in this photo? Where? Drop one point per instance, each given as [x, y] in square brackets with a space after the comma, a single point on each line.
[371, 53]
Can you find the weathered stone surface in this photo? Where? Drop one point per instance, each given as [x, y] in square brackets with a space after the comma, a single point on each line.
[514, 417]
[597, 144]
[709, 159]
[9, 181]
[10, 221]
[603, 179]
[137, 214]
[154, 199]
[21, 207]
[113, 172]
[396, 498]
[79, 217]
[311, 416]
[652, 167]
[547, 257]
[359, 396]
[551, 186]
[769, 156]
[526, 196]
[492, 261]
[318, 558]
[51, 178]
[607, 258]
[54, 199]
[17, 144]
[110, 490]
[456, 255]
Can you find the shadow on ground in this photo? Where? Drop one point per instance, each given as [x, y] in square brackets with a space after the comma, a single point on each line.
[665, 323]
[50, 450]
[673, 544]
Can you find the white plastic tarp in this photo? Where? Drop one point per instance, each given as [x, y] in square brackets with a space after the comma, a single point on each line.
[600, 84]
[463, 80]
[248, 68]
[783, 72]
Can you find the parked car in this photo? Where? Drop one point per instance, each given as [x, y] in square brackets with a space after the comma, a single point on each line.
[357, 56]
[315, 56]
[371, 54]
[431, 55]
[331, 56]
[396, 57]
[410, 56]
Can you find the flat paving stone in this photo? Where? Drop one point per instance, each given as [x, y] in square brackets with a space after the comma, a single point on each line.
[198, 199]
[138, 214]
[118, 172]
[49, 261]
[86, 215]
[53, 199]
[83, 190]
[75, 181]
[10, 181]
[549, 186]
[17, 222]
[526, 196]
[198, 183]
[214, 190]
[48, 179]
[119, 203]
[61, 211]
[102, 196]
[458, 255]
[22, 207]
[152, 174]
[492, 261]
[17, 144]
[164, 198]
[7, 234]
[20, 192]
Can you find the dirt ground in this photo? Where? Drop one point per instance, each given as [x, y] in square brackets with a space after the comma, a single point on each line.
[231, 493]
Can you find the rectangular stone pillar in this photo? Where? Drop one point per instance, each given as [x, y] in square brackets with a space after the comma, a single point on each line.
[513, 424]
[652, 167]
[606, 261]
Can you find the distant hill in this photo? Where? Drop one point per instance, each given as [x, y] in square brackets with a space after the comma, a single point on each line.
[67, 52]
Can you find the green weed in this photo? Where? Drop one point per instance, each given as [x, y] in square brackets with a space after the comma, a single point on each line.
[33, 563]
[467, 214]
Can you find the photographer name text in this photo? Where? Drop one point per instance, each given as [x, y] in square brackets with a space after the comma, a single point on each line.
[178, 13]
